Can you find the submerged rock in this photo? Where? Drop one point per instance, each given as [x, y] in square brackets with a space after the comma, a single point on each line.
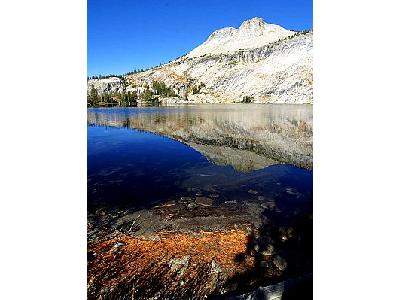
[254, 192]
[269, 250]
[204, 201]
[230, 202]
[291, 289]
[192, 205]
[269, 204]
[185, 199]
[280, 263]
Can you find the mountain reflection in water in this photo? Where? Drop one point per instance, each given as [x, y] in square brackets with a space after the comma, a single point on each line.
[140, 156]
[246, 137]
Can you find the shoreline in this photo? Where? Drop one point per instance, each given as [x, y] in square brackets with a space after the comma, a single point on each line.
[188, 103]
[208, 251]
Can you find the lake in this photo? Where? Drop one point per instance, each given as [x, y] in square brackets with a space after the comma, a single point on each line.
[138, 157]
[203, 195]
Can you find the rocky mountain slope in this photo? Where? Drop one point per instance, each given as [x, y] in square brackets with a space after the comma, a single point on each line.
[262, 62]
[252, 33]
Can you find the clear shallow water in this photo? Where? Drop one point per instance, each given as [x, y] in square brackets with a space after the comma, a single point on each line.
[138, 157]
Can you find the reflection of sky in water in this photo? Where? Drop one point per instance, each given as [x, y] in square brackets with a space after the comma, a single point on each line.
[134, 168]
[257, 135]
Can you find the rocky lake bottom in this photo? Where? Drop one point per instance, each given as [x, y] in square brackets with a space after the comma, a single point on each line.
[195, 202]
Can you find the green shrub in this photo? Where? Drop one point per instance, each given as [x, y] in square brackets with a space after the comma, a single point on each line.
[147, 95]
[247, 99]
[160, 88]
[197, 88]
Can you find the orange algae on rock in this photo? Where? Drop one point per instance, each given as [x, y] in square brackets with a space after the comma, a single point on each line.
[175, 264]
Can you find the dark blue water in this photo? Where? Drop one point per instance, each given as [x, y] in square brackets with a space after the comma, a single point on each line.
[132, 168]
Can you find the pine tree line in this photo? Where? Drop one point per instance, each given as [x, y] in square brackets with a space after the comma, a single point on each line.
[123, 99]
[127, 99]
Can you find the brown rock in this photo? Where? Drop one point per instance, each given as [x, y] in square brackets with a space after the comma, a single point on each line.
[204, 201]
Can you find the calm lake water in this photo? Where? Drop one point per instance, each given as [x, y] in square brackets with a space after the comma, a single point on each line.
[138, 157]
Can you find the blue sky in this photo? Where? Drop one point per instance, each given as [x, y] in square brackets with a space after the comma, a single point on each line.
[128, 34]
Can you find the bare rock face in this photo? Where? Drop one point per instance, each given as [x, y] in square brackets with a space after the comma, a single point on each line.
[251, 34]
[106, 85]
[263, 62]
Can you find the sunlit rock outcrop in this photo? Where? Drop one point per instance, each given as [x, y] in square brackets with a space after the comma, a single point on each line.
[106, 85]
[252, 33]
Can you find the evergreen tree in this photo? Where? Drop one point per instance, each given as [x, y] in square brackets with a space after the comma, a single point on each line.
[93, 97]
[147, 95]
[247, 99]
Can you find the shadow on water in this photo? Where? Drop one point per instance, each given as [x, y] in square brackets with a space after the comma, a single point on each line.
[282, 251]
